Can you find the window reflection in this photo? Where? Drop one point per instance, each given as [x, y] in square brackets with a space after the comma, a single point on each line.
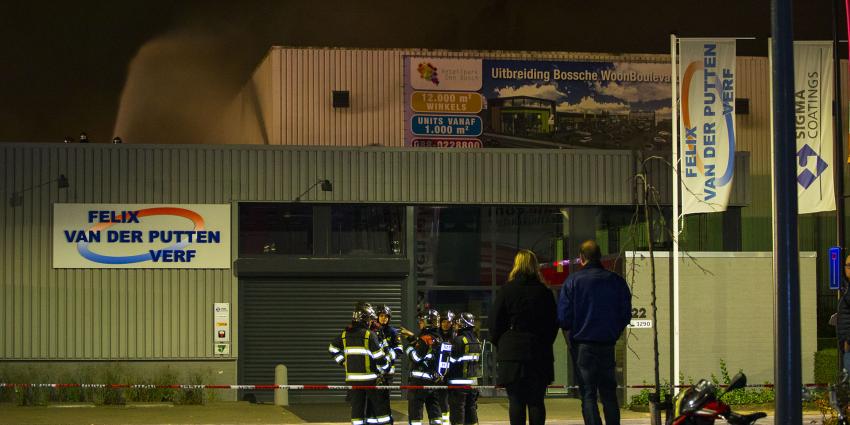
[366, 230]
[274, 228]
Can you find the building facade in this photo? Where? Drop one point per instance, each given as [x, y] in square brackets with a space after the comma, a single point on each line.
[400, 225]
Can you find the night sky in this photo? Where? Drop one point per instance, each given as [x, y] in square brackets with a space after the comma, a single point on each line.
[64, 64]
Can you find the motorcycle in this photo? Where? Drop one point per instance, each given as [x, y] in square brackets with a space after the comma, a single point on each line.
[700, 405]
[837, 398]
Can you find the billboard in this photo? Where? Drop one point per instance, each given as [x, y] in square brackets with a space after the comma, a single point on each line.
[509, 103]
[150, 236]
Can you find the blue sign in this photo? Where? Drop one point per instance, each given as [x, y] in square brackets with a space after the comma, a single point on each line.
[446, 125]
[836, 268]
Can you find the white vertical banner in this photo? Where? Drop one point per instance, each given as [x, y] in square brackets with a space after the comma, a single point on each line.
[707, 117]
[813, 95]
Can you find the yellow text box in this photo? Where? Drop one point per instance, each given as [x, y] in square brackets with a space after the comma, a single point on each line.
[439, 101]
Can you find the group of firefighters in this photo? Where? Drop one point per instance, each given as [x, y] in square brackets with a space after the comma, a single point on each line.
[446, 351]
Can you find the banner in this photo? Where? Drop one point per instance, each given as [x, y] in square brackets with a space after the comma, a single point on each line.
[813, 95]
[510, 103]
[149, 236]
[707, 139]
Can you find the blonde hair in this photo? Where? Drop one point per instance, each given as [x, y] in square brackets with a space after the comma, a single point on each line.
[525, 264]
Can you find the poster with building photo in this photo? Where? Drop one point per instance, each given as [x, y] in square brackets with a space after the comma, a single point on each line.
[537, 104]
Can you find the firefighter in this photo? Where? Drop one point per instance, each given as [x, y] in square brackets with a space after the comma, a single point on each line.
[391, 344]
[465, 370]
[390, 337]
[424, 352]
[359, 350]
[447, 334]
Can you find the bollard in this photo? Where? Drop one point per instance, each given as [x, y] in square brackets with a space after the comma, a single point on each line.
[281, 397]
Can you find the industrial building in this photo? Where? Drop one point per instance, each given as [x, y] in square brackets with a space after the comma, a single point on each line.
[324, 205]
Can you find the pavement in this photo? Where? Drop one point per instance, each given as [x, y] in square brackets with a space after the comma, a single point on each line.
[559, 412]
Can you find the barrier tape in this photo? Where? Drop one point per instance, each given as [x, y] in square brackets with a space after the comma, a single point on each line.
[332, 387]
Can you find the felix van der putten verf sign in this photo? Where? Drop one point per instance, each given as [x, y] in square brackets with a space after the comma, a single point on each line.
[141, 236]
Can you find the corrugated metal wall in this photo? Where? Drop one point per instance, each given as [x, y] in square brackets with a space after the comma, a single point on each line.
[167, 314]
[753, 135]
[302, 80]
[104, 314]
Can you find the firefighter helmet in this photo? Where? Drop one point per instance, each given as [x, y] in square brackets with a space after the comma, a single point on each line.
[363, 313]
[384, 309]
[465, 320]
[448, 316]
[431, 318]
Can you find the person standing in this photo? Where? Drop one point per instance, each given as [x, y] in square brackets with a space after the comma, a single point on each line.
[447, 334]
[423, 351]
[391, 343]
[359, 350]
[594, 307]
[523, 326]
[842, 328]
[391, 338]
[465, 370]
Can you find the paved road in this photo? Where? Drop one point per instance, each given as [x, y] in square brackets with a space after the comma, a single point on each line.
[807, 420]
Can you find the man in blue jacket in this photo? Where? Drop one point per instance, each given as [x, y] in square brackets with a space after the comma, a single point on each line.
[594, 307]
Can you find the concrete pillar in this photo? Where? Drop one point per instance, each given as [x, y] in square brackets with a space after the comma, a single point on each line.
[281, 377]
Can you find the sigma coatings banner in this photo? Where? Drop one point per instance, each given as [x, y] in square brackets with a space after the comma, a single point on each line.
[813, 94]
[707, 137]
[151, 236]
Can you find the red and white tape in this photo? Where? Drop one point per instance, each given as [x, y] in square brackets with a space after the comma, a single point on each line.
[325, 387]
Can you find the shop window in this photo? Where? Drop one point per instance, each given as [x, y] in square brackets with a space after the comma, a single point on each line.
[274, 228]
[508, 228]
[477, 302]
[475, 246]
[367, 230]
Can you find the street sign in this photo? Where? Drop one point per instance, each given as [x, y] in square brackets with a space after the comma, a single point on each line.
[446, 125]
[451, 102]
[836, 268]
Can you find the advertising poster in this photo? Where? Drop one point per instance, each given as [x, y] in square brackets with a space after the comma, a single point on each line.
[707, 147]
[154, 236]
[508, 103]
[813, 94]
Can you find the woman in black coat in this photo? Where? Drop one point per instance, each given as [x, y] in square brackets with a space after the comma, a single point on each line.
[523, 326]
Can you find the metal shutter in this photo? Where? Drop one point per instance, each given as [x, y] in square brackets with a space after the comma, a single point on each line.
[292, 321]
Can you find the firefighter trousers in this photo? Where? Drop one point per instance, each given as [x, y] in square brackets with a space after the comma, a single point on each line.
[464, 407]
[443, 397]
[381, 404]
[360, 399]
[419, 400]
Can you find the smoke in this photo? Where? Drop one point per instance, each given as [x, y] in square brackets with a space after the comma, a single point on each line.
[178, 87]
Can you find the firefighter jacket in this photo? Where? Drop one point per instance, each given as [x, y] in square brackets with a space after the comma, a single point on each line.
[424, 355]
[391, 343]
[465, 360]
[359, 350]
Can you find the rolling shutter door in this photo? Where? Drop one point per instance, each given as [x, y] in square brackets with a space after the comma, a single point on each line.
[291, 321]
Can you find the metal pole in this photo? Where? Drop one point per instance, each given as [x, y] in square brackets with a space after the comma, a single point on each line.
[675, 254]
[838, 142]
[788, 378]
